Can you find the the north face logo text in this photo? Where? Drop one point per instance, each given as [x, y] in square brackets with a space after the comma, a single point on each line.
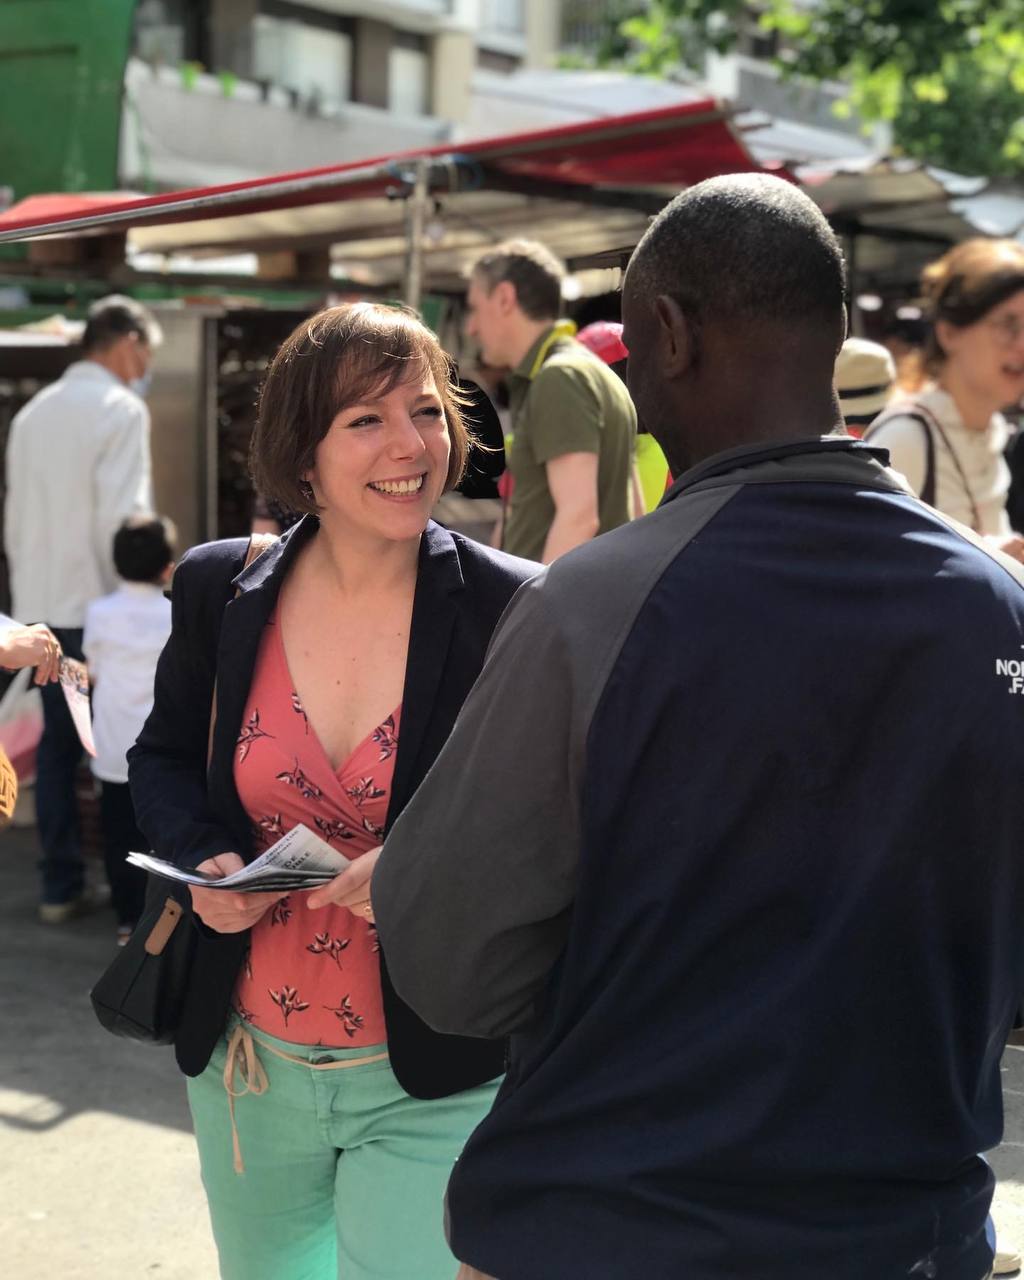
[1013, 669]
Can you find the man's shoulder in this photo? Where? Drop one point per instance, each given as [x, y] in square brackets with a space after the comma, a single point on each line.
[89, 399]
[574, 370]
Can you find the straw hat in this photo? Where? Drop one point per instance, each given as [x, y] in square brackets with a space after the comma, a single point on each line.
[864, 377]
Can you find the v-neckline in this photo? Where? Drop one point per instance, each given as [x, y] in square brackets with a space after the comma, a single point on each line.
[339, 772]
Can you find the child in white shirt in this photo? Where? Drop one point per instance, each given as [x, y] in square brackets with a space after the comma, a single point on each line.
[125, 633]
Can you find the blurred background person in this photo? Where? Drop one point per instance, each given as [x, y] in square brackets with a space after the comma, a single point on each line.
[948, 439]
[865, 379]
[604, 339]
[31, 646]
[78, 462]
[21, 646]
[125, 633]
[573, 423]
[905, 337]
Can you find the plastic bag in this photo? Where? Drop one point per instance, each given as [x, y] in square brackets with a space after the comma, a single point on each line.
[21, 724]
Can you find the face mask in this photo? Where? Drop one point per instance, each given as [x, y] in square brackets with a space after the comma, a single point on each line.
[141, 385]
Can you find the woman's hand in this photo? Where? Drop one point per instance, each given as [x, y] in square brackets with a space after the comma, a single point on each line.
[351, 889]
[34, 646]
[222, 910]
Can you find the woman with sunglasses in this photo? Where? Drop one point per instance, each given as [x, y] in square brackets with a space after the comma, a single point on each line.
[948, 439]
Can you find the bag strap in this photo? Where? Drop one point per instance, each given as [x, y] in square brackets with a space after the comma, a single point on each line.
[258, 543]
[927, 493]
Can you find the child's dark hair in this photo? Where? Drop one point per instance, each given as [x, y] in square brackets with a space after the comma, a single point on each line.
[143, 548]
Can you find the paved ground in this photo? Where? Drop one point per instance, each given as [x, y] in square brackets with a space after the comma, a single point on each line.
[98, 1177]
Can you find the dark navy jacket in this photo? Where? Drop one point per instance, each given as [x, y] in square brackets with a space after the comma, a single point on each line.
[462, 589]
[753, 910]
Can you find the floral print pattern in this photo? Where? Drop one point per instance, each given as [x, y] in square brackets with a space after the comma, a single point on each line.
[297, 779]
[324, 945]
[251, 733]
[287, 985]
[287, 1000]
[364, 790]
[385, 738]
[334, 829]
[351, 1022]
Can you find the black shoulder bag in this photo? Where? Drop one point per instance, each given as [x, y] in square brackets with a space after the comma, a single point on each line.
[140, 994]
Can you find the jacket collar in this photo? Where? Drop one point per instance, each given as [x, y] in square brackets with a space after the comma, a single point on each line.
[437, 554]
[268, 570]
[744, 456]
[439, 581]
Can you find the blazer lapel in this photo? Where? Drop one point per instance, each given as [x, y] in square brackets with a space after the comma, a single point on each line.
[435, 607]
[241, 631]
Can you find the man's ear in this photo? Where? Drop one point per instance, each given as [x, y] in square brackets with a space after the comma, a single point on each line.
[505, 296]
[675, 337]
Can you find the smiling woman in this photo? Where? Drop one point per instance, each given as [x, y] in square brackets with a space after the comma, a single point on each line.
[346, 362]
[948, 440]
[339, 670]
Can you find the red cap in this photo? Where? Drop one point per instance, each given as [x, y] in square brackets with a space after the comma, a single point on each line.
[604, 339]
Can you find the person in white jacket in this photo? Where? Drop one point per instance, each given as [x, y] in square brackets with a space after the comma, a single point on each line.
[78, 463]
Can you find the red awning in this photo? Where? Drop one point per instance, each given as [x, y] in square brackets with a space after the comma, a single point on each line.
[665, 149]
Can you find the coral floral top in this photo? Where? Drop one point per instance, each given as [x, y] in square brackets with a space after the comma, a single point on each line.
[311, 977]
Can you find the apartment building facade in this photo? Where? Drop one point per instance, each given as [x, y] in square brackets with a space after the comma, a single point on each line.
[223, 90]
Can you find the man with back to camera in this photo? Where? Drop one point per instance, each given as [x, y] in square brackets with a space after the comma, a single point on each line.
[751, 916]
[573, 424]
[78, 463]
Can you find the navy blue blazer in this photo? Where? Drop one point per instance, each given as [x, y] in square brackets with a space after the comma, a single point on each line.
[189, 813]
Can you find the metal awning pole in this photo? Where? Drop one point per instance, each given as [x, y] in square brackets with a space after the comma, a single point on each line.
[415, 222]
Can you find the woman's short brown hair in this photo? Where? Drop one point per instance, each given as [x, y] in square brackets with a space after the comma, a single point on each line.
[342, 356]
[965, 284]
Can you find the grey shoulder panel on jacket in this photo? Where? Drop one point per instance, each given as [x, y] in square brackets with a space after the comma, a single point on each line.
[593, 594]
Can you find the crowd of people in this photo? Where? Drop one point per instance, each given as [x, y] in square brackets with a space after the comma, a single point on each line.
[660, 951]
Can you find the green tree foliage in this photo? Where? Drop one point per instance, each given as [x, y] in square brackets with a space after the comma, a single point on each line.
[948, 74]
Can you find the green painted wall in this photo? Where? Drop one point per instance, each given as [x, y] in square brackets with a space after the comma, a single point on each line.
[62, 65]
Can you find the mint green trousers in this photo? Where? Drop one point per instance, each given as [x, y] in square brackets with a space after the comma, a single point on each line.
[344, 1173]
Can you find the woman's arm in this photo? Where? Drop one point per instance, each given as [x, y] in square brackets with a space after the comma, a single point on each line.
[34, 646]
[167, 772]
[167, 765]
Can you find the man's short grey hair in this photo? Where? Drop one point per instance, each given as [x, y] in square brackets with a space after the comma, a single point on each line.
[742, 247]
[534, 271]
[111, 318]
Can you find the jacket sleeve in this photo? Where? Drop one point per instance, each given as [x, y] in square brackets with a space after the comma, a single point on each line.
[167, 765]
[123, 480]
[473, 889]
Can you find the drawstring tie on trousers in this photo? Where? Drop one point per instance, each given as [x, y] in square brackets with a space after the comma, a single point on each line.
[241, 1058]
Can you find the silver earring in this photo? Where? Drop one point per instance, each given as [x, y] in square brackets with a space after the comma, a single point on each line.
[306, 489]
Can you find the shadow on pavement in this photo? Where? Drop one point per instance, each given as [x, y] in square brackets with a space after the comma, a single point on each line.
[53, 1049]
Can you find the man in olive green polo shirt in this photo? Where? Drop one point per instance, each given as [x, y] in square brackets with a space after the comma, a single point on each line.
[573, 423]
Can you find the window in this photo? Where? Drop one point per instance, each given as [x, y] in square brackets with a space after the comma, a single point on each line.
[311, 61]
[506, 16]
[408, 75]
[159, 34]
